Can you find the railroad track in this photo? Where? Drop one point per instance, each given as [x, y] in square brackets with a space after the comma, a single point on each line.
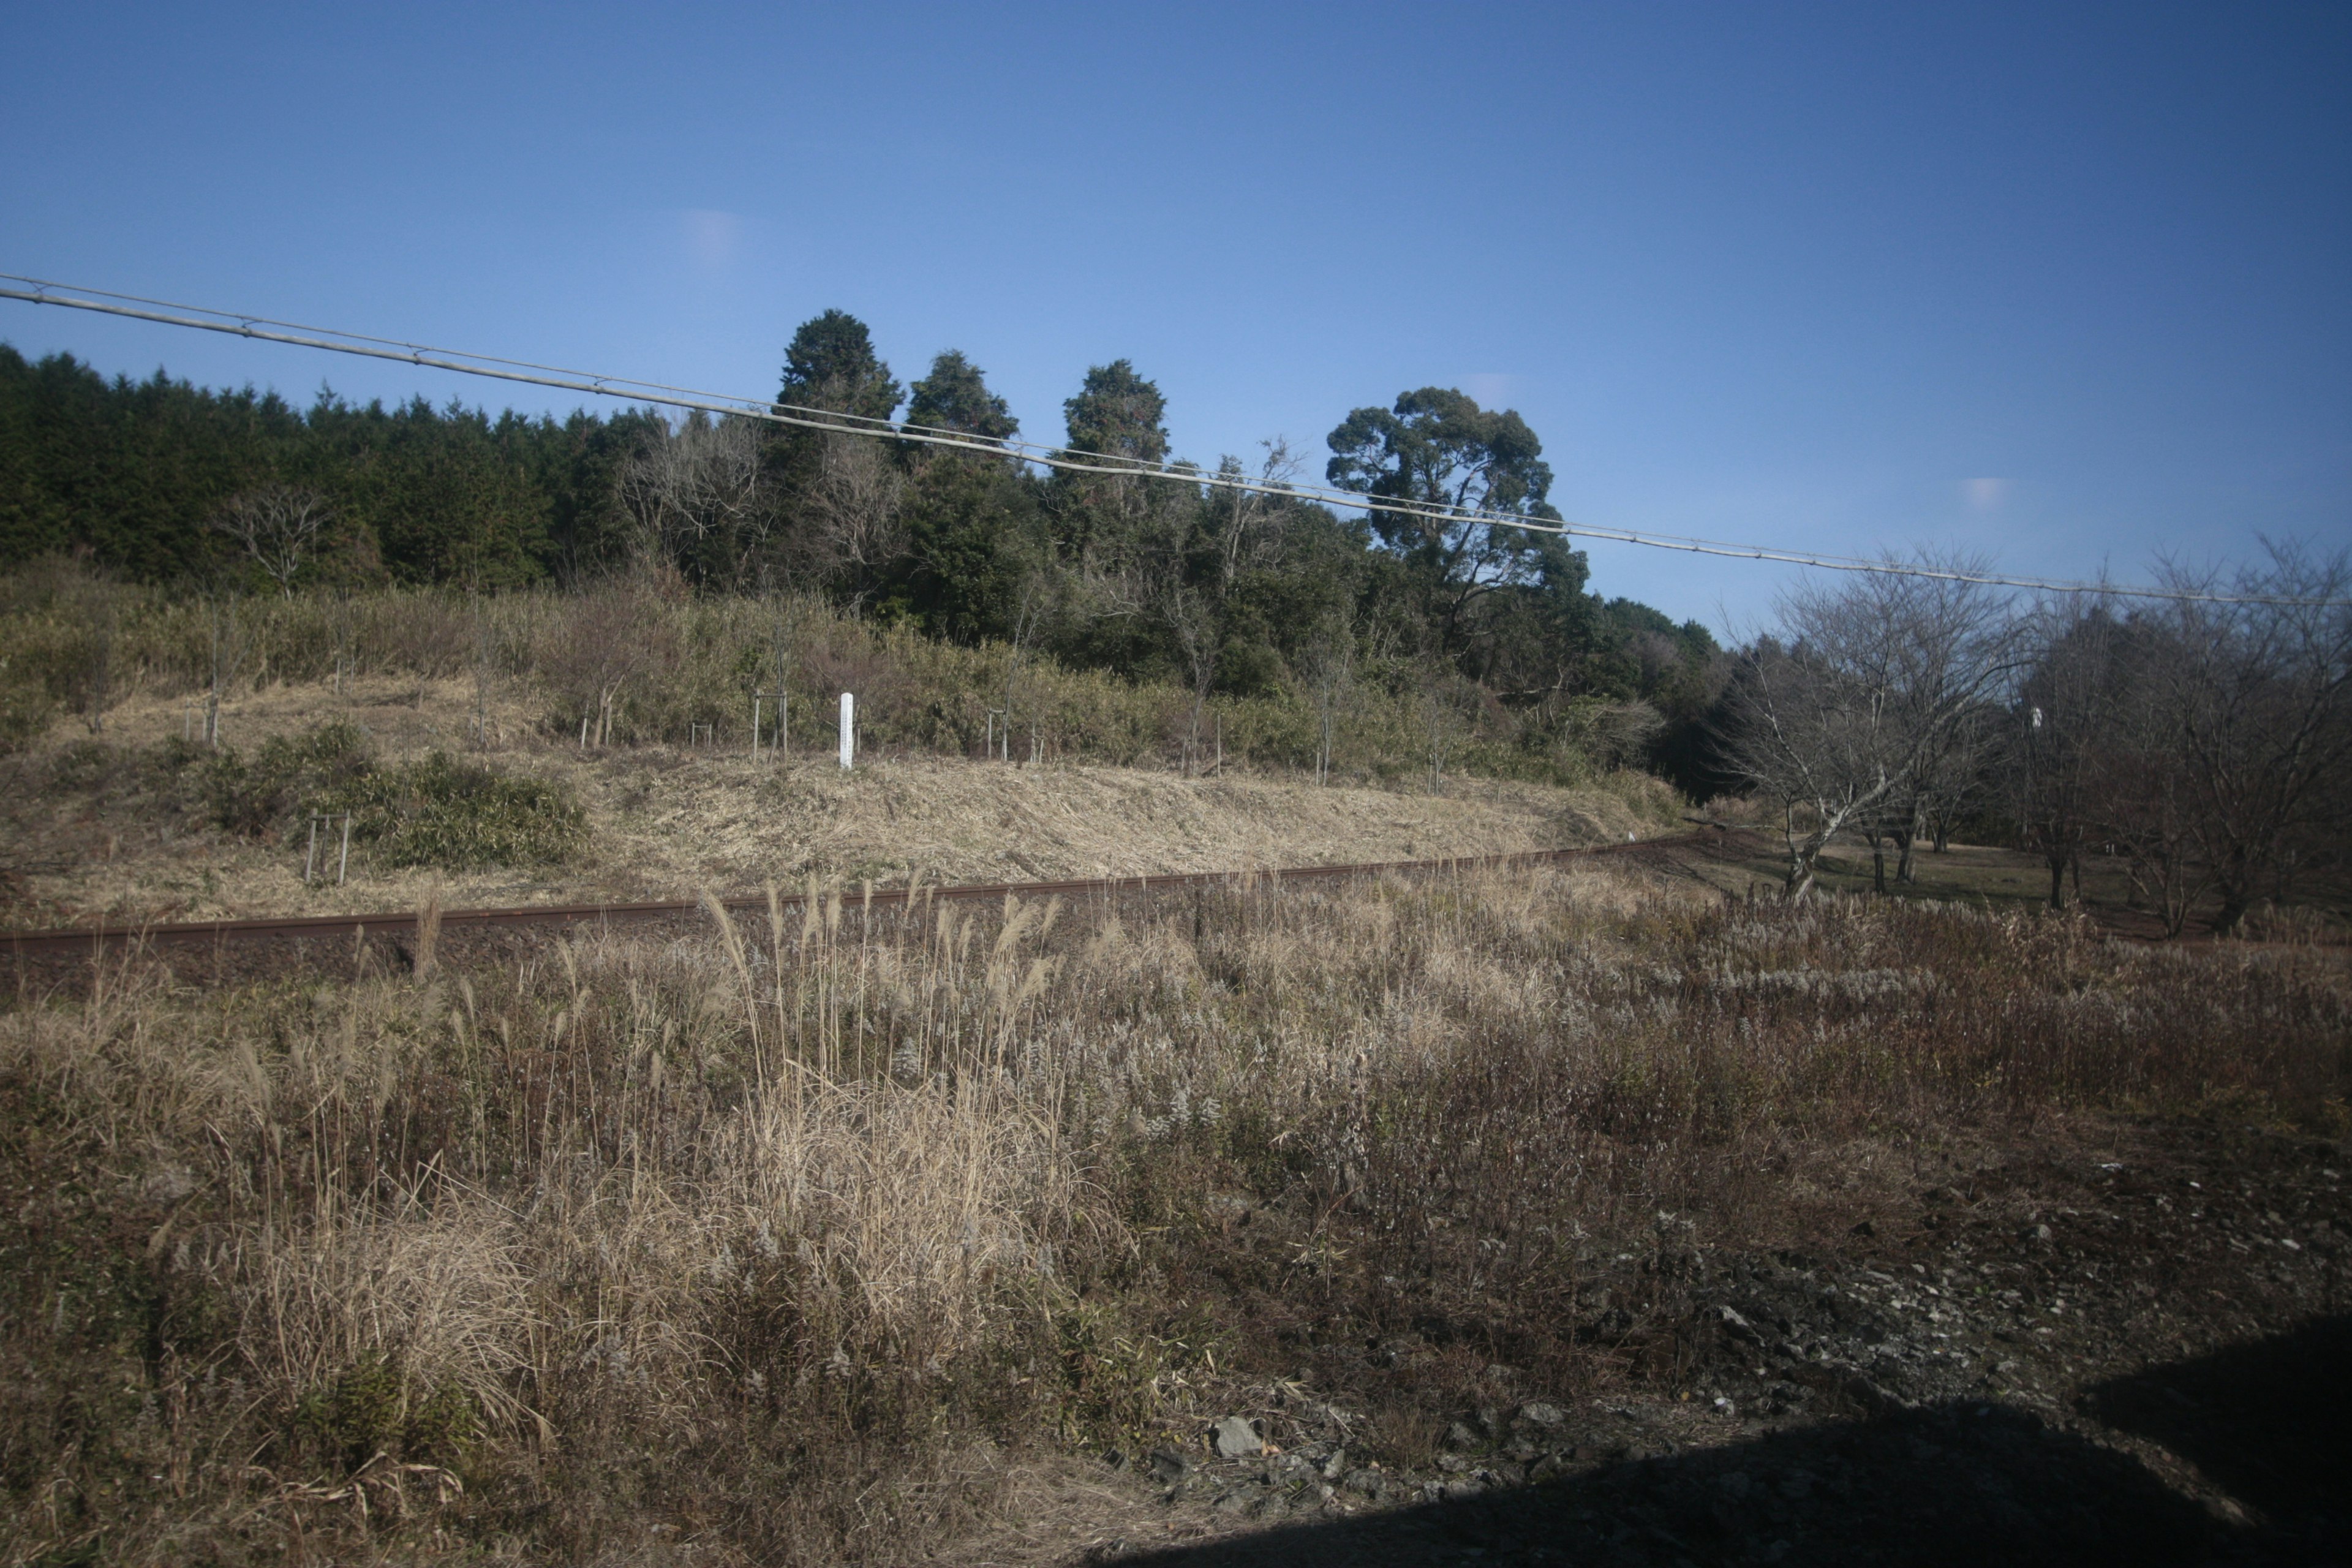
[96, 939]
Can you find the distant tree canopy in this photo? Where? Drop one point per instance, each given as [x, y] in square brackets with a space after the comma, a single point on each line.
[131, 473]
[1228, 592]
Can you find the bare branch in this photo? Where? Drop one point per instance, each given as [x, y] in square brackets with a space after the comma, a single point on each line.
[278, 526]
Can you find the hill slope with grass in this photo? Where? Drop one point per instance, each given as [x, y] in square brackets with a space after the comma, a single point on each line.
[142, 825]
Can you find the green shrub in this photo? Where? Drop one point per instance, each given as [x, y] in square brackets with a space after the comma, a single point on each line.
[368, 1409]
[436, 811]
[26, 705]
[459, 815]
[288, 776]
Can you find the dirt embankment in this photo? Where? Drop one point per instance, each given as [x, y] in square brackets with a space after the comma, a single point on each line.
[91, 836]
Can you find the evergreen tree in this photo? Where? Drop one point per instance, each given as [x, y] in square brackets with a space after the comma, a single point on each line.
[955, 396]
[578, 465]
[831, 365]
[448, 494]
[1438, 451]
[973, 534]
[1117, 416]
[126, 471]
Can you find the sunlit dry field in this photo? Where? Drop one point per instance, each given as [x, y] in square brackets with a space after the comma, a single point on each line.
[820, 1239]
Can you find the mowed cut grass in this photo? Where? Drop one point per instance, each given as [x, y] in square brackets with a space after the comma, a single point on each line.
[89, 843]
[792, 1241]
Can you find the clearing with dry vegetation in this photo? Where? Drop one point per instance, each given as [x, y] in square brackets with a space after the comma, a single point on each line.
[1541, 1214]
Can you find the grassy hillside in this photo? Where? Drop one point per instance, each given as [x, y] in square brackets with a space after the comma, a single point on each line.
[640, 660]
[140, 825]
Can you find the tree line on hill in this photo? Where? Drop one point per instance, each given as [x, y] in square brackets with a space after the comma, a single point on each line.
[1225, 593]
[2207, 743]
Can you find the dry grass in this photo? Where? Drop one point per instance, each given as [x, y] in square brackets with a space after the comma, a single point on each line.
[640, 1197]
[91, 841]
[772, 1245]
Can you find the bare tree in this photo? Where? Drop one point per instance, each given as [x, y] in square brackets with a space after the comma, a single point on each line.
[1248, 525]
[98, 665]
[1330, 668]
[1950, 778]
[854, 527]
[227, 644]
[1957, 652]
[1838, 723]
[1195, 626]
[2062, 732]
[1942, 777]
[2206, 740]
[341, 628]
[1028, 623]
[485, 655]
[1449, 707]
[700, 496]
[278, 526]
[2254, 700]
[90, 602]
[1195, 549]
[1610, 734]
[1818, 739]
[612, 632]
[2142, 793]
[783, 626]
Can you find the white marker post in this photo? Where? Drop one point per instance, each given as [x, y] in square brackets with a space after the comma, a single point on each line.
[848, 728]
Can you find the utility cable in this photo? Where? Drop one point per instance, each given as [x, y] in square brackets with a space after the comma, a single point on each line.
[265, 328]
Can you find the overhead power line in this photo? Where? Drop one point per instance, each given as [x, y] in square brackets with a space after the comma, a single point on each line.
[265, 328]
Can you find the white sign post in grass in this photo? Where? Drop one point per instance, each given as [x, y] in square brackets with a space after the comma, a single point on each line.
[848, 728]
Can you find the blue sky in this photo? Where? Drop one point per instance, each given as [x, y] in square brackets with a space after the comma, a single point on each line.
[2071, 285]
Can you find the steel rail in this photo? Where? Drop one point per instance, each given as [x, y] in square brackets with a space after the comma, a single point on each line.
[96, 939]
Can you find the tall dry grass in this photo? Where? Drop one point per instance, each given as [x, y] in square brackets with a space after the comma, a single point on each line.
[759, 1240]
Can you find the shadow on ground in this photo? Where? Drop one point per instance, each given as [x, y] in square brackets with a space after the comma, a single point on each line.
[2269, 1423]
[1970, 1482]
